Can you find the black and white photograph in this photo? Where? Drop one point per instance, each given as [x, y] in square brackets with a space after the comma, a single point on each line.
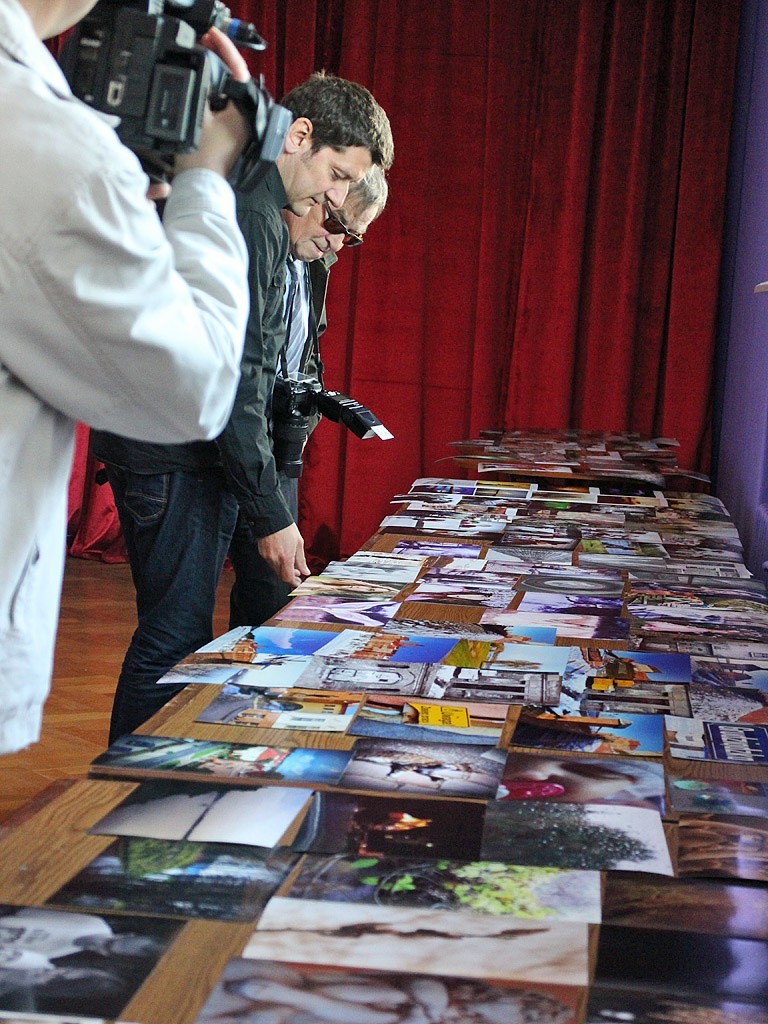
[64, 962]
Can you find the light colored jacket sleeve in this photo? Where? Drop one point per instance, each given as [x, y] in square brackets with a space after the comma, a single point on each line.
[114, 319]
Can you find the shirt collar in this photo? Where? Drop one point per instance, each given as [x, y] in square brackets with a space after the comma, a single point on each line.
[274, 183]
[20, 41]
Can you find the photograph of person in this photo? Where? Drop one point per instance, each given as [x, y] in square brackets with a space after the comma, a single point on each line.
[578, 780]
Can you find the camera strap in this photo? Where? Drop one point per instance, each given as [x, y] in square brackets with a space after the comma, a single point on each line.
[313, 331]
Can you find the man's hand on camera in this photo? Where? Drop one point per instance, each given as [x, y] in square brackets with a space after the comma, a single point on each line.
[158, 191]
[225, 132]
[284, 552]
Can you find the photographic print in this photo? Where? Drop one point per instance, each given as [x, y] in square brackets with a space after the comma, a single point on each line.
[338, 586]
[453, 589]
[388, 568]
[278, 670]
[721, 796]
[417, 938]
[217, 881]
[582, 780]
[594, 586]
[438, 549]
[280, 709]
[699, 596]
[427, 502]
[443, 485]
[688, 616]
[421, 649]
[138, 755]
[431, 769]
[645, 546]
[526, 634]
[718, 570]
[526, 466]
[636, 667]
[694, 739]
[514, 559]
[582, 627]
[592, 837]
[61, 962]
[403, 718]
[259, 643]
[486, 528]
[576, 494]
[427, 627]
[729, 703]
[689, 547]
[609, 1005]
[625, 734]
[477, 570]
[685, 904]
[615, 696]
[396, 826]
[735, 968]
[733, 651]
[496, 685]
[714, 626]
[353, 674]
[184, 810]
[516, 657]
[519, 534]
[339, 610]
[251, 989]
[730, 690]
[529, 554]
[640, 562]
[590, 517]
[718, 845]
[483, 887]
[12, 1017]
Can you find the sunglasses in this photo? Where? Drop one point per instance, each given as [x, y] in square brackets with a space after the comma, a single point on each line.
[336, 226]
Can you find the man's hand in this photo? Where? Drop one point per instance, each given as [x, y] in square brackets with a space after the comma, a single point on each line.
[225, 132]
[284, 552]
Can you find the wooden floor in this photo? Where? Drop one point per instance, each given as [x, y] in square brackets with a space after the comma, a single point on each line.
[97, 620]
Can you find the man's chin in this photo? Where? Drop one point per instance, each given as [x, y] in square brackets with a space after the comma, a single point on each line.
[301, 207]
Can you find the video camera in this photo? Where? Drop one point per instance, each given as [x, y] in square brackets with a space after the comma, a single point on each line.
[295, 400]
[139, 60]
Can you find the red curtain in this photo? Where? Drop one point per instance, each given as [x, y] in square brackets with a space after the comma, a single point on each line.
[550, 254]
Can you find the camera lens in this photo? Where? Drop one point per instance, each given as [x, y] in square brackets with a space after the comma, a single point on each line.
[289, 434]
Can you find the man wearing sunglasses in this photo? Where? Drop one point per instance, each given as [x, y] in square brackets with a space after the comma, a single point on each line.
[178, 504]
[315, 241]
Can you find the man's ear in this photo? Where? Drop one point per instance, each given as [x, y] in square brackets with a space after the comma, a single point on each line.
[299, 136]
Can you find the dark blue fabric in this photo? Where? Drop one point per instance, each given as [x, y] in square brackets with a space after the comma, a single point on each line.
[258, 593]
[177, 529]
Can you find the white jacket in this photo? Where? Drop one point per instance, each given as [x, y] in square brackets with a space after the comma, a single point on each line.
[104, 317]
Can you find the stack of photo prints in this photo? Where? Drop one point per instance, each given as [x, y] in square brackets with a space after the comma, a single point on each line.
[506, 764]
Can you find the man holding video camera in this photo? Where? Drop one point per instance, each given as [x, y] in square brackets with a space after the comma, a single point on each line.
[178, 505]
[107, 317]
[258, 592]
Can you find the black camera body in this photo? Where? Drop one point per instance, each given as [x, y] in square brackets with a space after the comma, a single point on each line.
[295, 400]
[140, 61]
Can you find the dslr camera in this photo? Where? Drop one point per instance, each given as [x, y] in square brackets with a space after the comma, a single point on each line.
[294, 400]
[140, 61]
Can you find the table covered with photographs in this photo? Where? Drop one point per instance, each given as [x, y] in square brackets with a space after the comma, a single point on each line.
[507, 763]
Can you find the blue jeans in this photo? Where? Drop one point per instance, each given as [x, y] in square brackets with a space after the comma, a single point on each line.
[177, 528]
[258, 593]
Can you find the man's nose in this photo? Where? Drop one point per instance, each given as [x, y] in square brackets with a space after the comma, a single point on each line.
[337, 194]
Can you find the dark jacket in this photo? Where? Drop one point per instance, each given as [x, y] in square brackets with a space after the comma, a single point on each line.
[244, 448]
